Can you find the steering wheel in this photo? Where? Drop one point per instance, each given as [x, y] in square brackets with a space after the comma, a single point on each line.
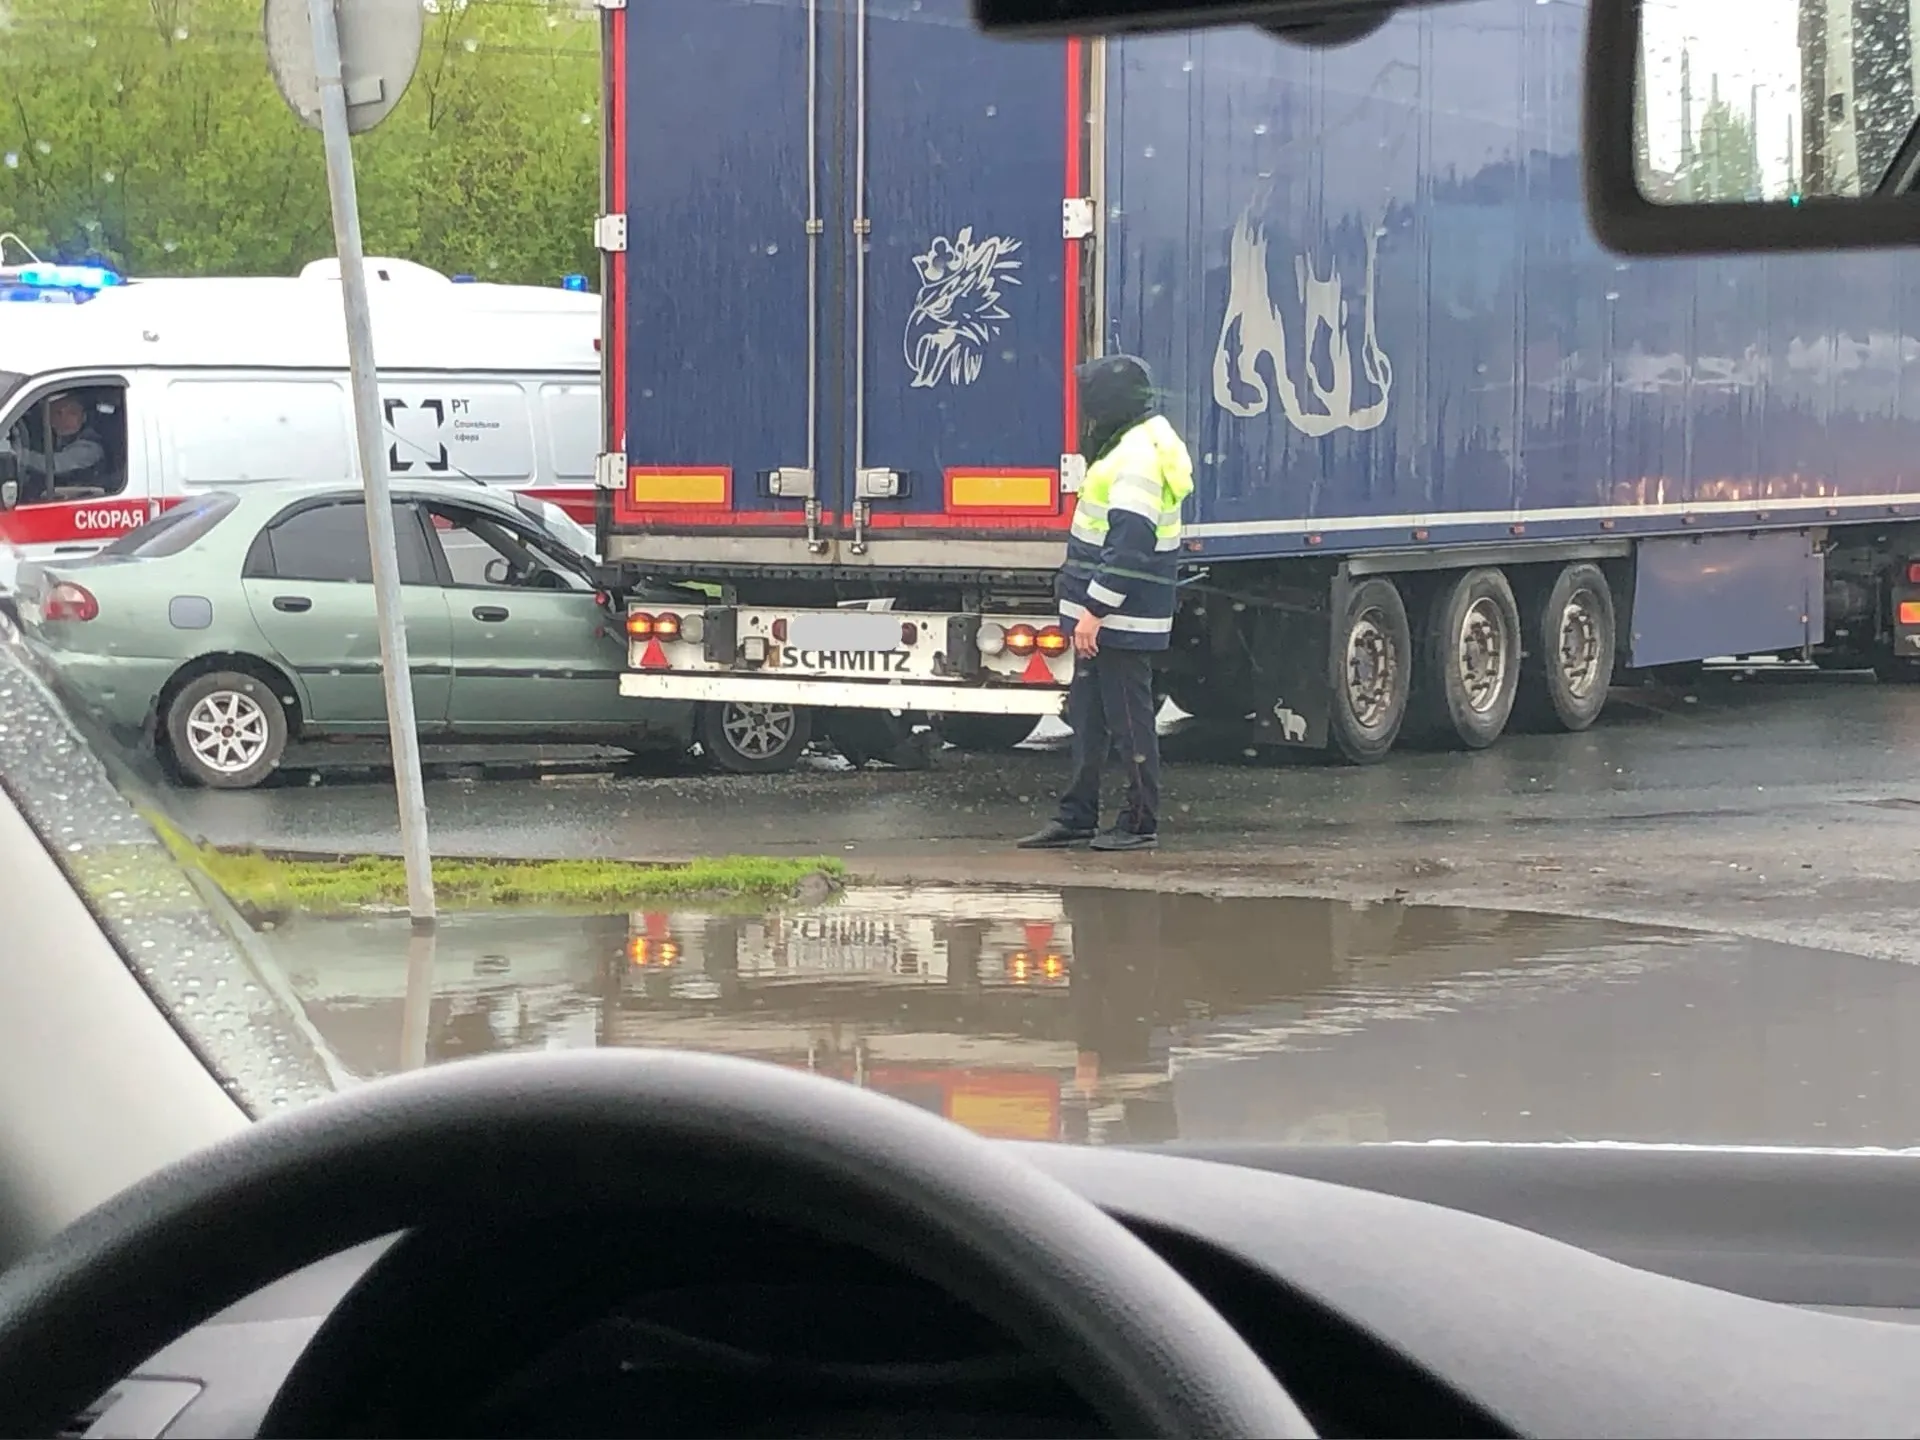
[516, 1137]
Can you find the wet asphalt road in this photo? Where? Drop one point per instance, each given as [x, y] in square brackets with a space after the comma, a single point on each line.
[1783, 807]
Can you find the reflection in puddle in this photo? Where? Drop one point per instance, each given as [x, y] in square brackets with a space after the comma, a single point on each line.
[1107, 1017]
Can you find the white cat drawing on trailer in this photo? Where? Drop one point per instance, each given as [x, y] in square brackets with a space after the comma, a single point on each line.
[1321, 390]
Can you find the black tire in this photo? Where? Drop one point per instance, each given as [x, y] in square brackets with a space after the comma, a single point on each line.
[748, 739]
[986, 734]
[864, 735]
[1370, 668]
[225, 730]
[1467, 700]
[1571, 641]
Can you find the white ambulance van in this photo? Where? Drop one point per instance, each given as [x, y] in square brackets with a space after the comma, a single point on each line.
[186, 385]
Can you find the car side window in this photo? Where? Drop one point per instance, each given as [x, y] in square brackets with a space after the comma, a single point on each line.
[328, 542]
[483, 552]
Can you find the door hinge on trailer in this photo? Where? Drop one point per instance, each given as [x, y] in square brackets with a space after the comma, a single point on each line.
[1076, 218]
[610, 233]
[1073, 473]
[610, 470]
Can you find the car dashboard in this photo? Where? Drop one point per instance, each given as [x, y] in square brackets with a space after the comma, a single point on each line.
[1395, 1290]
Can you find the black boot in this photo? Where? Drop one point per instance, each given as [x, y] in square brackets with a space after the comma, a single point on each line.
[1118, 839]
[1054, 836]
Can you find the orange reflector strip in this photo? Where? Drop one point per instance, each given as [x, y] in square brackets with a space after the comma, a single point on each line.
[680, 487]
[654, 658]
[992, 490]
[1038, 672]
[1910, 612]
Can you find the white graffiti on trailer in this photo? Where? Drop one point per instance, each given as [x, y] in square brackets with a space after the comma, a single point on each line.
[1254, 326]
[958, 311]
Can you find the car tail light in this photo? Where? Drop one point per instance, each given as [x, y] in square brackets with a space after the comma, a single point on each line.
[1021, 639]
[1051, 641]
[1913, 572]
[1909, 611]
[68, 601]
[667, 626]
[640, 625]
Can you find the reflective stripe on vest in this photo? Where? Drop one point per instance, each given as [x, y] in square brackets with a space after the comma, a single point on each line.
[1148, 474]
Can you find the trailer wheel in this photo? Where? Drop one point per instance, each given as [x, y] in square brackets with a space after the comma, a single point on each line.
[1571, 639]
[985, 734]
[1372, 665]
[1471, 658]
[747, 739]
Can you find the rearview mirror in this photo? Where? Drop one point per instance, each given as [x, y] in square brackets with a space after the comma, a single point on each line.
[1731, 126]
[1306, 22]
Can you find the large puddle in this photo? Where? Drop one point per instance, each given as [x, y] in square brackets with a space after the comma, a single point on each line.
[1103, 1017]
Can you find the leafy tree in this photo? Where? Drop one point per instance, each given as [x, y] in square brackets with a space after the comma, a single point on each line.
[148, 133]
[1726, 160]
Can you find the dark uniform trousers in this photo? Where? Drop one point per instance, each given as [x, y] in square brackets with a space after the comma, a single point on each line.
[1111, 708]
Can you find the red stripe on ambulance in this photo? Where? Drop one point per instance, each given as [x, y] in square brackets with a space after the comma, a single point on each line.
[100, 520]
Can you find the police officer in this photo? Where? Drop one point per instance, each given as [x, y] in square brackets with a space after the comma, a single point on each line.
[1117, 592]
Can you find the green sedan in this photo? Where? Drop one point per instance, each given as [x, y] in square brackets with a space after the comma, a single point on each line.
[242, 620]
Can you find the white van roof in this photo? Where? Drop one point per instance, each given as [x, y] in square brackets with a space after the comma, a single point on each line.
[421, 321]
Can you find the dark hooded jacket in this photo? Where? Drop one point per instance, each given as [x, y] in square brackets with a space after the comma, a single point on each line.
[1124, 578]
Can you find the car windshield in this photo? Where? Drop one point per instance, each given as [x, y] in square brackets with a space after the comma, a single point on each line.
[1296, 644]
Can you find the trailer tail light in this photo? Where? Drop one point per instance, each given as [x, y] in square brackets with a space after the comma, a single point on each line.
[991, 639]
[1051, 641]
[1021, 639]
[651, 952]
[640, 625]
[68, 601]
[1909, 613]
[667, 626]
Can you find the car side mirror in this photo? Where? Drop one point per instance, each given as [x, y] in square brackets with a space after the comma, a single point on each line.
[1778, 125]
[498, 571]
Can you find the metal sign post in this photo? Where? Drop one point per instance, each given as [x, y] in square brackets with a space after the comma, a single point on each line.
[384, 29]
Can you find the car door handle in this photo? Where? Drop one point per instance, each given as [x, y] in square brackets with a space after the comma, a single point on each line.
[490, 613]
[294, 603]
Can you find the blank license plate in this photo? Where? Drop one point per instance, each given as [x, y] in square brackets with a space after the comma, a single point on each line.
[854, 630]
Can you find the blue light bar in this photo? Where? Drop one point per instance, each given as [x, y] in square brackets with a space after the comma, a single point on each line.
[574, 282]
[68, 284]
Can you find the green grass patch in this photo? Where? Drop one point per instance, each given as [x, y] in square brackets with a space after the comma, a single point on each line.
[272, 886]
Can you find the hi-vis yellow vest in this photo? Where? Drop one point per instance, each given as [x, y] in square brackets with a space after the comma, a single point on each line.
[1123, 547]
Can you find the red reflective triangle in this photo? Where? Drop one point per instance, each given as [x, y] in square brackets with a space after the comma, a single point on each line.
[654, 658]
[1038, 672]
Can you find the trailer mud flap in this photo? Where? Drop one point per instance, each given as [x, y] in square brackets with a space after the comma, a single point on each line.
[1271, 651]
[1292, 651]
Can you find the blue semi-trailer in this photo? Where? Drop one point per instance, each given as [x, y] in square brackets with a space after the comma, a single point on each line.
[1457, 468]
